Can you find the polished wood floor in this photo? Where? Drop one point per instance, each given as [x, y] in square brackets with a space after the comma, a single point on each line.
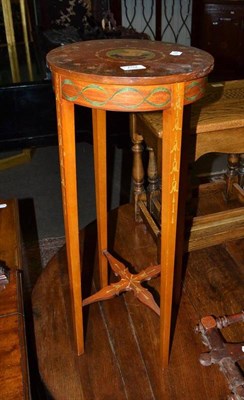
[121, 344]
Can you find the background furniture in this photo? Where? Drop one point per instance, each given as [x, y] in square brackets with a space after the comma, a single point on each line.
[217, 125]
[13, 351]
[218, 27]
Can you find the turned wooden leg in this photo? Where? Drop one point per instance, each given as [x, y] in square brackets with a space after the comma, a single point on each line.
[231, 175]
[100, 165]
[241, 170]
[154, 195]
[153, 181]
[171, 154]
[67, 155]
[137, 167]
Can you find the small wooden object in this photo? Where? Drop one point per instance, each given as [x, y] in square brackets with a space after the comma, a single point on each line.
[123, 75]
[226, 355]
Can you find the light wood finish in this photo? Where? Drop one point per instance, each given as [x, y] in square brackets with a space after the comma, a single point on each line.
[100, 157]
[216, 223]
[215, 119]
[216, 125]
[90, 74]
[122, 336]
[205, 228]
[171, 159]
[67, 160]
[13, 354]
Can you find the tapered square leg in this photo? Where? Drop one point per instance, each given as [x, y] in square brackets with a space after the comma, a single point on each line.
[67, 155]
[100, 166]
[171, 154]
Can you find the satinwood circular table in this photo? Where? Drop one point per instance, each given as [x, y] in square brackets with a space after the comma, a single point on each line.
[130, 76]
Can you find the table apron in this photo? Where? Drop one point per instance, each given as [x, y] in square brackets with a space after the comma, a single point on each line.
[128, 98]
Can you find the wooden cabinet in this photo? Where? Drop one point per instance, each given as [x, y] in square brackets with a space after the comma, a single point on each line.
[218, 27]
[13, 353]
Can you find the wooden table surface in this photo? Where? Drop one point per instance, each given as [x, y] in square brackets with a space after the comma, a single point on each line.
[128, 62]
[121, 359]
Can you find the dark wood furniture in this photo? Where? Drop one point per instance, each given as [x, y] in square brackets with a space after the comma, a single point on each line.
[123, 75]
[217, 125]
[13, 350]
[218, 27]
[121, 360]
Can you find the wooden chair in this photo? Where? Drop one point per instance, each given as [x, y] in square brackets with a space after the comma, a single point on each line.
[216, 125]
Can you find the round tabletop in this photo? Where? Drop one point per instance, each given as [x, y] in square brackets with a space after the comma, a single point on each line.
[120, 61]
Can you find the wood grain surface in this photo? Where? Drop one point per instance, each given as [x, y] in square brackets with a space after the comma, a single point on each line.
[13, 351]
[121, 359]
